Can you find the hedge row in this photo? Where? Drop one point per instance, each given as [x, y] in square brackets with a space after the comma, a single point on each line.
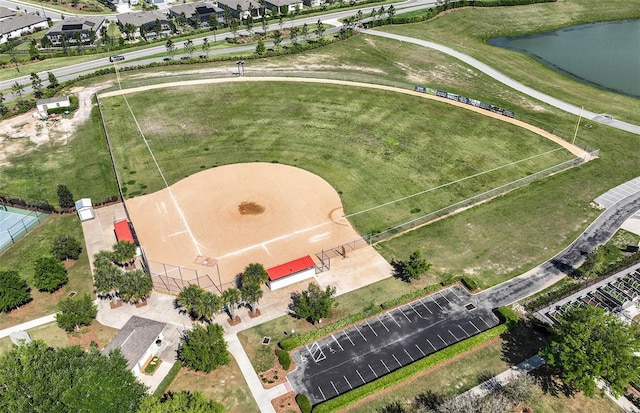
[284, 359]
[552, 294]
[303, 403]
[168, 379]
[74, 103]
[412, 369]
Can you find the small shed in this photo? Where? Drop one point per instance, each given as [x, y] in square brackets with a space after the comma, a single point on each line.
[123, 231]
[291, 272]
[139, 340]
[84, 208]
[42, 105]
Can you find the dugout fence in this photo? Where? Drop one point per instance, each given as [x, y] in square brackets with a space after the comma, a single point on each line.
[172, 279]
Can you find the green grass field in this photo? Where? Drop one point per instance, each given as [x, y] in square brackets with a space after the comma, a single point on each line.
[37, 243]
[372, 146]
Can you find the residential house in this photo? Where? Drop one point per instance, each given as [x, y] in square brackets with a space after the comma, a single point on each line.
[160, 2]
[146, 19]
[20, 24]
[88, 28]
[42, 105]
[6, 13]
[245, 6]
[139, 340]
[314, 3]
[197, 11]
[284, 7]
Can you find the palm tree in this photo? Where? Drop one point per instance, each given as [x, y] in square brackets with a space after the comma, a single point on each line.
[251, 293]
[230, 298]
[210, 305]
[189, 298]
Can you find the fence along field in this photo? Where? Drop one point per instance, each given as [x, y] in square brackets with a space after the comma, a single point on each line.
[372, 146]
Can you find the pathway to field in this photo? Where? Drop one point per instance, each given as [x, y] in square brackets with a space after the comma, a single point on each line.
[506, 80]
[578, 152]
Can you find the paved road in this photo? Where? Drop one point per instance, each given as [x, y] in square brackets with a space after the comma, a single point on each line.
[484, 68]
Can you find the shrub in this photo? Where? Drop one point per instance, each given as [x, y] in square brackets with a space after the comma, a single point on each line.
[14, 291]
[284, 359]
[304, 403]
[469, 283]
[76, 312]
[49, 275]
[168, 379]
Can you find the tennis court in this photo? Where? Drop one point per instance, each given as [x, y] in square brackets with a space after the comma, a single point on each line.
[16, 223]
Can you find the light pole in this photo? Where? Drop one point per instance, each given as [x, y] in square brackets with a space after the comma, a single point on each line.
[240, 64]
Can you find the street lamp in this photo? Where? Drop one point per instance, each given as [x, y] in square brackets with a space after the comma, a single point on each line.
[240, 64]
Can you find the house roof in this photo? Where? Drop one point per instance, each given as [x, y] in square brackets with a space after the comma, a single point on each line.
[291, 267]
[233, 4]
[81, 24]
[20, 21]
[123, 231]
[135, 338]
[5, 12]
[56, 99]
[190, 9]
[280, 3]
[140, 18]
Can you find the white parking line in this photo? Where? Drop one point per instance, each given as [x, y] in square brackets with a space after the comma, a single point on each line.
[454, 336]
[385, 366]
[443, 296]
[334, 388]
[345, 379]
[435, 302]
[432, 346]
[474, 326]
[393, 318]
[395, 358]
[419, 349]
[453, 290]
[445, 343]
[414, 310]
[383, 325]
[360, 375]
[337, 342]
[356, 327]
[405, 350]
[373, 371]
[321, 392]
[485, 323]
[345, 333]
[374, 331]
[405, 316]
[465, 331]
[430, 312]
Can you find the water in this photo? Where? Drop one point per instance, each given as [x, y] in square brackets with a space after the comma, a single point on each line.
[606, 55]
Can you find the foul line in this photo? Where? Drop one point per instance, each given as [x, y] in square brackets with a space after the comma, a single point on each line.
[155, 161]
[450, 183]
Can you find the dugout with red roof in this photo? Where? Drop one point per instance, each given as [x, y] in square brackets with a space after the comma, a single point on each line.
[291, 272]
[123, 231]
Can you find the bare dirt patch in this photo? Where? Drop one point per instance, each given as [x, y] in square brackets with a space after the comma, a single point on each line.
[250, 208]
[24, 133]
[286, 403]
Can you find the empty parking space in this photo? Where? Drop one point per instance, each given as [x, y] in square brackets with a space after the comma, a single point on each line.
[618, 193]
[370, 349]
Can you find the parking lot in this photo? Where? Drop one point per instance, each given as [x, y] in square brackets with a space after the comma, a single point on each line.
[364, 352]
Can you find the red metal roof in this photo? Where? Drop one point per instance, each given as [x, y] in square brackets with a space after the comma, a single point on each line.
[123, 232]
[291, 267]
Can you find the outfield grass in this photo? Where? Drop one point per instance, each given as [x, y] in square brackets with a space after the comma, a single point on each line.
[38, 242]
[82, 164]
[345, 135]
[225, 385]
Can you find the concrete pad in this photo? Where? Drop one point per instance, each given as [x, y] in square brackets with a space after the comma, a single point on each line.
[98, 232]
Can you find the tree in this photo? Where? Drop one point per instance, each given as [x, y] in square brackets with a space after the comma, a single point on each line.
[251, 293]
[50, 274]
[233, 26]
[206, 46]
[66, 248]
[106, 277]
[305, 31]
[294, 34]
[34, 54]
[254, 273]
[260, 48]
[230, 298]
[381, 12]
[411, 269]
[123, 252]
[17, 89]
[209, 305]
[45, 42]
[183, 402]
[65, 197]
[391, 11]
[277, 39]
[320, 29]
[14, 291]
[4, 110]
[157, 27]
[248, 22]
[189, 298]
[134, 286]
[189, 47]
[314, 304]
[171, 48]
[143, 31]
[38, 378]
[36, 84]
[92, 36]
[214, 25]
[589, 343]
[264, 24]
[203, 348]
[129, 29]
[75, 312]
[53, 81]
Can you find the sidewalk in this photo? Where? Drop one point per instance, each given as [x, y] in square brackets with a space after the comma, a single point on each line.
[29, 324]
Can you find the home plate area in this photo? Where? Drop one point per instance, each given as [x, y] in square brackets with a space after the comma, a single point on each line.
[366, 351]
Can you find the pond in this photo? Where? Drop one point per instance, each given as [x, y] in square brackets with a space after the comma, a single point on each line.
[606, 55]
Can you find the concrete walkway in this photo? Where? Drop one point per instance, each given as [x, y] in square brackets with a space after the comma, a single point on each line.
[506, 80]
[29, 324]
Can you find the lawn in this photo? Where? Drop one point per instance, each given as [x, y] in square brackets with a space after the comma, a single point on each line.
[21, 256]
[83, 164]
[372, 146]
[225, 385]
